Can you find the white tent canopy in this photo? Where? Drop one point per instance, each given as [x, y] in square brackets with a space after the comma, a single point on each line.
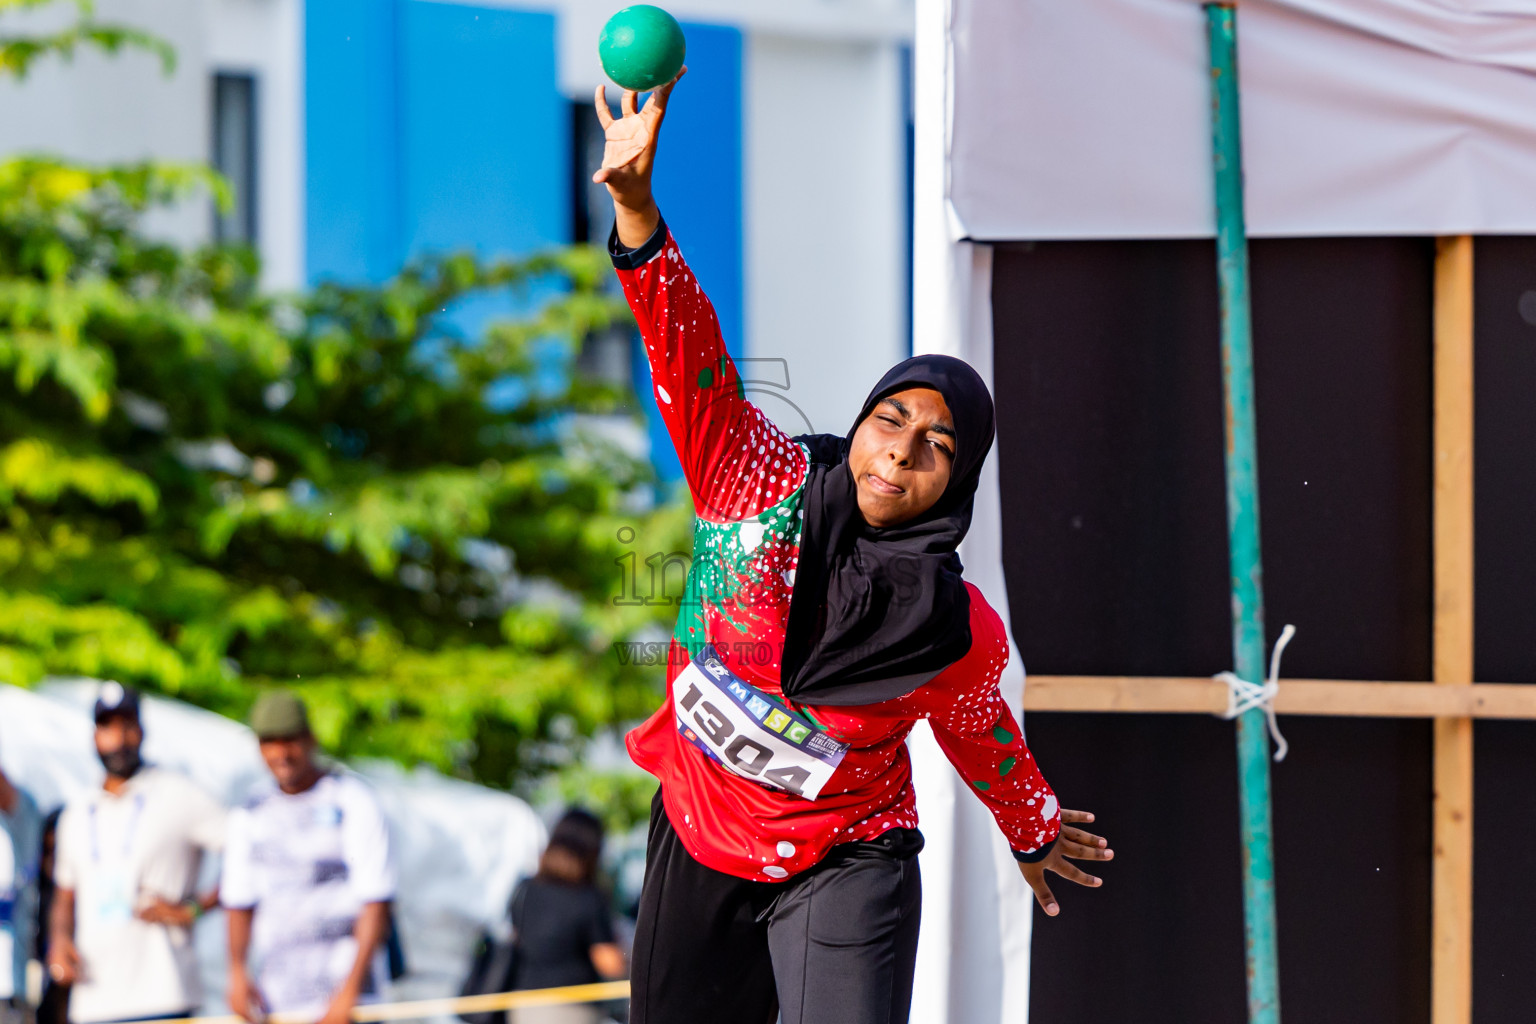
[1090, 119]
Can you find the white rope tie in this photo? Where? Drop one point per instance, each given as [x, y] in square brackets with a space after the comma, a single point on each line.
[1245, 696]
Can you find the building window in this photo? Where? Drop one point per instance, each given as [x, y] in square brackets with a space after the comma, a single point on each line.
[605, 355]
[591, 207]
[234, 155]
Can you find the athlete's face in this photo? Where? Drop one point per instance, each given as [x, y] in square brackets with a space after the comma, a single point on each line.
[902, 455]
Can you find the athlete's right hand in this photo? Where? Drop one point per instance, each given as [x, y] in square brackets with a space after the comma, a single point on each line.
[629, 153]
[1076, 844]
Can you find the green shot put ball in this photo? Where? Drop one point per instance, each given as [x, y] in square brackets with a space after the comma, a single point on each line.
[641, 47]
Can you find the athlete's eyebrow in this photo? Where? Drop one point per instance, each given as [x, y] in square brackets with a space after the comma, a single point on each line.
[937, 428]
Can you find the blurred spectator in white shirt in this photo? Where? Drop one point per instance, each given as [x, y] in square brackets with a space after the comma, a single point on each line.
[126, 866]
[308, 878]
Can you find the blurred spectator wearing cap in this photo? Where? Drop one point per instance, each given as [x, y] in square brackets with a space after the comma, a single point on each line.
[126, 863]
[308, 877]
[21, 847]
[563, 928]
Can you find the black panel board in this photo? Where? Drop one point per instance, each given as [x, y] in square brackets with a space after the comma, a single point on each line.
[1504, 440]
[1107, 372]
[1504, 802]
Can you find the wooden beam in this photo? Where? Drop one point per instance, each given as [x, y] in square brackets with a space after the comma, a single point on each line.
[1340, 697]
[1451, 942]
[1453, 462]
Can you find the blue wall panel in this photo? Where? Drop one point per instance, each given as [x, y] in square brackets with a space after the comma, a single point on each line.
[485, 141]
[698, 185]
[486, 132]
[352, 178]
[430, 127]
[698, 172]
[434, 127]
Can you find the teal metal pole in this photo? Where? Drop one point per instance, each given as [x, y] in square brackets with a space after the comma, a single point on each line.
[1243, 518]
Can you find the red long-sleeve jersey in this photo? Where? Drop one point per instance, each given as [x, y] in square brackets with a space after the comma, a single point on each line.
[746, 477]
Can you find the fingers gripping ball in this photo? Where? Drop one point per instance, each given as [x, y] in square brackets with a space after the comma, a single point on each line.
[641, 47]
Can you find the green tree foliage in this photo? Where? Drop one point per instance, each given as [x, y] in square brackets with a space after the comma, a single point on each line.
[20, 50]
[205, 490]
[621, 798]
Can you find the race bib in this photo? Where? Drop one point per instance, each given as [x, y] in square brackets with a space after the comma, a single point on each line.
[750, 733]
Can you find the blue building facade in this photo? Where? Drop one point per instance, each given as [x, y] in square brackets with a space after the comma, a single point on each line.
[440, 126]
[436, 127]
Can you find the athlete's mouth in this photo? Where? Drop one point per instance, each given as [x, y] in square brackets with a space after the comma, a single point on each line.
[880, 486]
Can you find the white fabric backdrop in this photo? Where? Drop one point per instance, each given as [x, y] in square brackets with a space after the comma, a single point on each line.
[973, 955]
[1088, 118]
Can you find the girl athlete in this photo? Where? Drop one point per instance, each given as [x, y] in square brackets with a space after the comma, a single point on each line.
[824, 614]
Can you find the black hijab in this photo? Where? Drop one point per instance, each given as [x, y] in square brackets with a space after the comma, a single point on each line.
[876, 613]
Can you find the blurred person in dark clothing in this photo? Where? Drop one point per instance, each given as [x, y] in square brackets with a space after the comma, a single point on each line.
[21, 846]
[126, 864]
[54, 1007]
[563, 928]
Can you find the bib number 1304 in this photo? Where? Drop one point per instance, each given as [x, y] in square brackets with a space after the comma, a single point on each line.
[750, 733]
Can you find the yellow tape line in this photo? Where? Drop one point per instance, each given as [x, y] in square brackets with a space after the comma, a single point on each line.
[600, 992]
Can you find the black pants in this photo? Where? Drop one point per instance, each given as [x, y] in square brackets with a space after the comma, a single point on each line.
[834, 945]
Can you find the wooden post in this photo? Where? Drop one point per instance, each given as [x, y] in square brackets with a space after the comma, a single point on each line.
[1451, 971]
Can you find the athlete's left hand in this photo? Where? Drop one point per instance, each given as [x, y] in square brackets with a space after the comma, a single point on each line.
[1076, 844]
